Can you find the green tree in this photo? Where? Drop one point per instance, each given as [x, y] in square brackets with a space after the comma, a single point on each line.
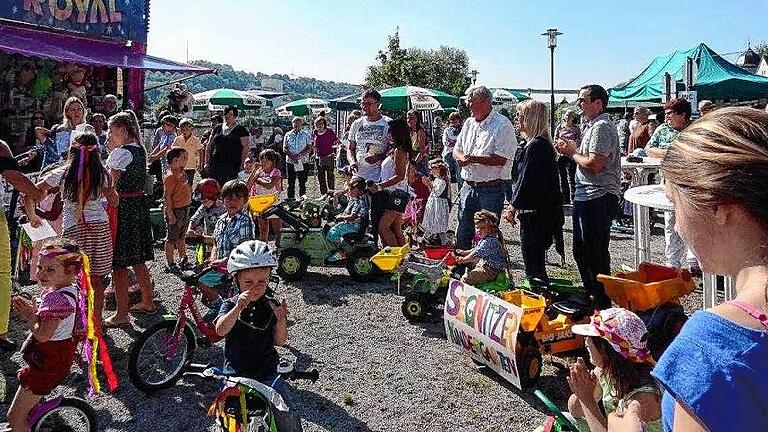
[762, 49]
[445, 68]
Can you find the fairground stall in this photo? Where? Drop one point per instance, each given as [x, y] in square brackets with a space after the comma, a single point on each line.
[51, 50]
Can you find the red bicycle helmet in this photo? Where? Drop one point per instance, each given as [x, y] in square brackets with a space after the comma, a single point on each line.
[208, 189]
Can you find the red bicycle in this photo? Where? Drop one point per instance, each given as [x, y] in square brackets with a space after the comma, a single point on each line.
[163, 352]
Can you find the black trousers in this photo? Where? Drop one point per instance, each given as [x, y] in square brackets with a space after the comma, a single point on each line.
[566, 168]
[292, 176]
[591, 237]
[377, 204]
[535, 240]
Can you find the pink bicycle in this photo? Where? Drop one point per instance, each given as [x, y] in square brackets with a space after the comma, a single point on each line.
[162, 352]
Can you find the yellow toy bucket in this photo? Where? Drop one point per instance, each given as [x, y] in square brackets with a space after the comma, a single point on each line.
[390, 257]
[533, 306]
[260, 203]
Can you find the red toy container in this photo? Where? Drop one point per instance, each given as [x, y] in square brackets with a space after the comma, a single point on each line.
[439, 252]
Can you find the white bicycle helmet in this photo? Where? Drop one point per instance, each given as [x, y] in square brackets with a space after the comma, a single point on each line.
[250, 254]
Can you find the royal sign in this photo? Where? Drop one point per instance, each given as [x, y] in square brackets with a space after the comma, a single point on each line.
[118, 19]
[484, 326]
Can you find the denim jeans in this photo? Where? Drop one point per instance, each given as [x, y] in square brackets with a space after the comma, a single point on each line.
[454, 169]
[472, 200]
[591, 236]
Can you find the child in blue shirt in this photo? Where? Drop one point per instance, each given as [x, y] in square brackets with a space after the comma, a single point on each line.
[351, 218]
[489, 255]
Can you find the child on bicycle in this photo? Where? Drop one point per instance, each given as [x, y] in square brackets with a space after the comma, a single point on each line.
[489, 255]
[177, 197]
[50, 349]
[266, 179]
[251, 322]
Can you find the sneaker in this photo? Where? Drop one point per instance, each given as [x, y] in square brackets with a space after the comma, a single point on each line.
[172, 268]
[335, 257]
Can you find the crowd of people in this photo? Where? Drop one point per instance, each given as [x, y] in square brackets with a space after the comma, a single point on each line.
[715, 171]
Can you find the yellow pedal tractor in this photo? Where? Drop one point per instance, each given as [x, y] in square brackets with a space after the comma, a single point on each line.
[543, 330]
[301, 245]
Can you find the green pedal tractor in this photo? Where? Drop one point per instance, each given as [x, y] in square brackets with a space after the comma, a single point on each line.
[301, 245]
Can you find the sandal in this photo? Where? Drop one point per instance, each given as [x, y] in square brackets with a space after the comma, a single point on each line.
[143, 311]
[8, 345]
[113, 325]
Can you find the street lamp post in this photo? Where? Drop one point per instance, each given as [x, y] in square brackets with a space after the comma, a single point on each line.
[552, 35]
[474, 74]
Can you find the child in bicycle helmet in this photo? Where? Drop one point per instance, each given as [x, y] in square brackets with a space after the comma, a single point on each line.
[252, 323]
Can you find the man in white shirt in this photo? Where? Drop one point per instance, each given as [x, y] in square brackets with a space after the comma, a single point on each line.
[367, 148]
[485, 151]
[297, 148]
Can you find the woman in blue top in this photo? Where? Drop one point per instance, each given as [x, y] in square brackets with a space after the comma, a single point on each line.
[716, 371]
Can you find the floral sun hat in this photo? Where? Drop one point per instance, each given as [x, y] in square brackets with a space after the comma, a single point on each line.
[623, 329]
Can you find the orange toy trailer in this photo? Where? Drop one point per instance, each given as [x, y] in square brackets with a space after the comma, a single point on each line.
[653, 292]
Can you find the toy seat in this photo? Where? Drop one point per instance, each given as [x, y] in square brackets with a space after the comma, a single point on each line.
[651, 285]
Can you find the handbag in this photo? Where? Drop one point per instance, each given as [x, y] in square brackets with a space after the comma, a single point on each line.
[397, 200]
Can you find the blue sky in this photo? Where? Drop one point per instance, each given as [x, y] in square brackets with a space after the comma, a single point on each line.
[603, 41]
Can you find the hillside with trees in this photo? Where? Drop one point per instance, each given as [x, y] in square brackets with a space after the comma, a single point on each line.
[228, 77]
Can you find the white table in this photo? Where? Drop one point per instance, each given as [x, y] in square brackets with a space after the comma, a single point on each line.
[640, 171]
[644, 198]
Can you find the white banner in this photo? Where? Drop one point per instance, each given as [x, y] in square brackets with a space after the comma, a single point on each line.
[692, 97]
[484, 326]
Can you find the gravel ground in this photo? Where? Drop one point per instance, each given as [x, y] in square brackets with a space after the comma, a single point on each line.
[378, 373]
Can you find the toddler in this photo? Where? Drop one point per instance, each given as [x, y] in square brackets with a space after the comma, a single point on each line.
[489, 255]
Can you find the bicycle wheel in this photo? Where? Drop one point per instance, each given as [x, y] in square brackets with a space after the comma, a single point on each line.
[72, 415]
[158, 359]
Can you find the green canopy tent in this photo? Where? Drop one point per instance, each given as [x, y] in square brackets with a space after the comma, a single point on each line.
[715, 78]
[412, 97]
[345, 103]
[303, 107]
[502, 96]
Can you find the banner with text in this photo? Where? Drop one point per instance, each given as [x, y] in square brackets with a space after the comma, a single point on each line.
[119, 19]
[484, 326]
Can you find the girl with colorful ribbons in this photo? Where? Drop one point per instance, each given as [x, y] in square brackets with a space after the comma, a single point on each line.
[84, 183]
[62, 318]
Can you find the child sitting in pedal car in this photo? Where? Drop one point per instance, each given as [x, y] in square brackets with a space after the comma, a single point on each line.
[489, 255]
[615, 340]
[251, 322]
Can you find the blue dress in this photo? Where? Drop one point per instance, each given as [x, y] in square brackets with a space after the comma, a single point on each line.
[719, 370]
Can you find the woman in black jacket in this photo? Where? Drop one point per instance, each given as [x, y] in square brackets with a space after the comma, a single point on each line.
[536, 197]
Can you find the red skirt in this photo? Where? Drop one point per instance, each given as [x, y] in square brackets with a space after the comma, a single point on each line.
[57, 362]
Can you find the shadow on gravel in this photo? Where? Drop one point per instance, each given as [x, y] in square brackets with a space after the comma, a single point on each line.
[333, 290]
[323, 412]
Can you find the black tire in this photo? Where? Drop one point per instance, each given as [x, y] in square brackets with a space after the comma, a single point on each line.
[359, 265]
[292, 264]
[137, 370]
[415, 307]
[528, 358]
[72, 414]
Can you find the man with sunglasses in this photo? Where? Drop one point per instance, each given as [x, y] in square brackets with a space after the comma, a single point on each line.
[598, 187]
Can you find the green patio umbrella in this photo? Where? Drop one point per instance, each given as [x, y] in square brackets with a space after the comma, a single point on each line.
[217, 100]
[412, 97]
[304, 107]
[501, 95]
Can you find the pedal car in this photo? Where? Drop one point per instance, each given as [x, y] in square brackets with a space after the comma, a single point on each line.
[539, 334]
[426, 292]
[653, 292]
[301, 245]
